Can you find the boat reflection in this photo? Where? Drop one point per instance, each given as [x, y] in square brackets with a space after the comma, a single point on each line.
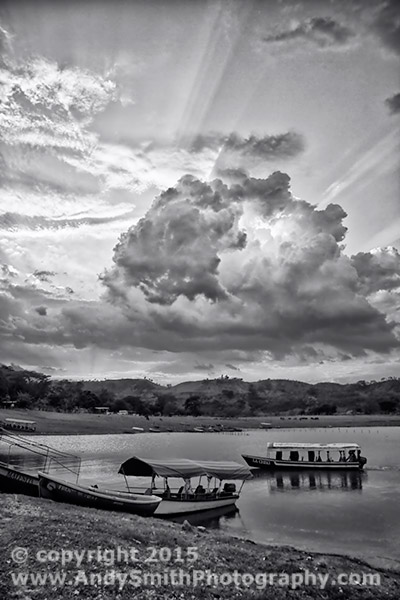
[208, 518]
[286, 481]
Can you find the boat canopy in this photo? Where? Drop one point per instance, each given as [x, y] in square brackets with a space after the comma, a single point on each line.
[183, 468]
[309, 446]
[226, 470]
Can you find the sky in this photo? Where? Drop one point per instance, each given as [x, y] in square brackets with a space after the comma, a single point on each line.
[191, 188]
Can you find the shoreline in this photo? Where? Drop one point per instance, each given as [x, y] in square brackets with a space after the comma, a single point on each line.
[55, 423]
[43, 525]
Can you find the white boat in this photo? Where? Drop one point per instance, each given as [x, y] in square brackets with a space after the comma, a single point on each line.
[62, 490]
[293, 455]
[185, 499]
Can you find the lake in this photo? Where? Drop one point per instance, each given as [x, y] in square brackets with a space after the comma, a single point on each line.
[349, 512]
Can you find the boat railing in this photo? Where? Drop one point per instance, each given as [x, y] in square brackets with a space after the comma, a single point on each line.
[63, 460]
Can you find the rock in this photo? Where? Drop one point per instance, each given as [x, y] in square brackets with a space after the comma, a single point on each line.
[186, 526]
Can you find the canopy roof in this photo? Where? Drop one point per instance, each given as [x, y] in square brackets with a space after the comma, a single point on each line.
[226, 470]
[309, 446]
[184, 468]
[23, 421]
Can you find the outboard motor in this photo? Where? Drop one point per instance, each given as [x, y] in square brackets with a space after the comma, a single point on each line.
[362, 461]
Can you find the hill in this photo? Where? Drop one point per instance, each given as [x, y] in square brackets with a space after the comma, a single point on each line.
[225, 396]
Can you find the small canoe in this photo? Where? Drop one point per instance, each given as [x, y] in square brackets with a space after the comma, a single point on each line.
[65, 491]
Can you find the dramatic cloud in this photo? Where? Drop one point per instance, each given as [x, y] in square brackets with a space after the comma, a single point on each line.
[393, 103]
[244, 266]
[174, 250]
[324, 32]
[386, 25]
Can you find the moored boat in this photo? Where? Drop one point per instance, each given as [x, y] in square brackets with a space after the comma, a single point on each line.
[16, 479]
[185, 499]
[61, 490]
[292, 455]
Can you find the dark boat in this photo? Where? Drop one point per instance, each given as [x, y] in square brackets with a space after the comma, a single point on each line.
[73, 493]
[291, 455]
[14, 480]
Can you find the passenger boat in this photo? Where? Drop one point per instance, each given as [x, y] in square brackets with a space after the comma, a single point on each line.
[185, 499]
[16, 479]
[291, 455]
[61, 490]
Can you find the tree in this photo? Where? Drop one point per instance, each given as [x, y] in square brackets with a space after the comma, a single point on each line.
[88, 400]
[24, 400]
[192, 406]
[388, 406]
[135, 404]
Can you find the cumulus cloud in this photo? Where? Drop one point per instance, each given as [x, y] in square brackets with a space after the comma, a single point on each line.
[324, 32]
[393, 103]
[174, 250]
[378, 270]
[243, 266]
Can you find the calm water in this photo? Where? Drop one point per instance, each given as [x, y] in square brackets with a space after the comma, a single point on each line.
[357, 514]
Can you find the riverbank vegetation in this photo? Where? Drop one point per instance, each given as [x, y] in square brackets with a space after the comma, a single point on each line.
[39, 525]
[223, 397]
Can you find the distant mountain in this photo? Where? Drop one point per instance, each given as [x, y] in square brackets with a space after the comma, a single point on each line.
[224, 396]
[124, 387]
[233, 395]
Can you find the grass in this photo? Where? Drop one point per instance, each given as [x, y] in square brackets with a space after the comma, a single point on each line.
[84, 423]
[38, 524]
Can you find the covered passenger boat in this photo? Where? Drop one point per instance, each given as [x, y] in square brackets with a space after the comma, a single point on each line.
[293, 455]
[183, 498]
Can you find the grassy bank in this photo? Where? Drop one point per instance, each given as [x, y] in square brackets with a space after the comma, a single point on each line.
[84, 423]
[40, 525]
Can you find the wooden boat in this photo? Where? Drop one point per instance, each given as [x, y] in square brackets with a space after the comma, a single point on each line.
[74, 493]
[291, 455]
[185, 499]
[15, 479]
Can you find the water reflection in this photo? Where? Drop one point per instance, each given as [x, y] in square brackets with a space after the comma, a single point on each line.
[208, 518]
[286, 481]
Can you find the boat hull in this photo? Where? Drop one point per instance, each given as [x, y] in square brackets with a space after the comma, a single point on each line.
[64, 491]
[185, 507]
[14, 481]
[263, 462]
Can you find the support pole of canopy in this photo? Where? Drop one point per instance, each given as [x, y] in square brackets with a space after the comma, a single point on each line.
[127, 484]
